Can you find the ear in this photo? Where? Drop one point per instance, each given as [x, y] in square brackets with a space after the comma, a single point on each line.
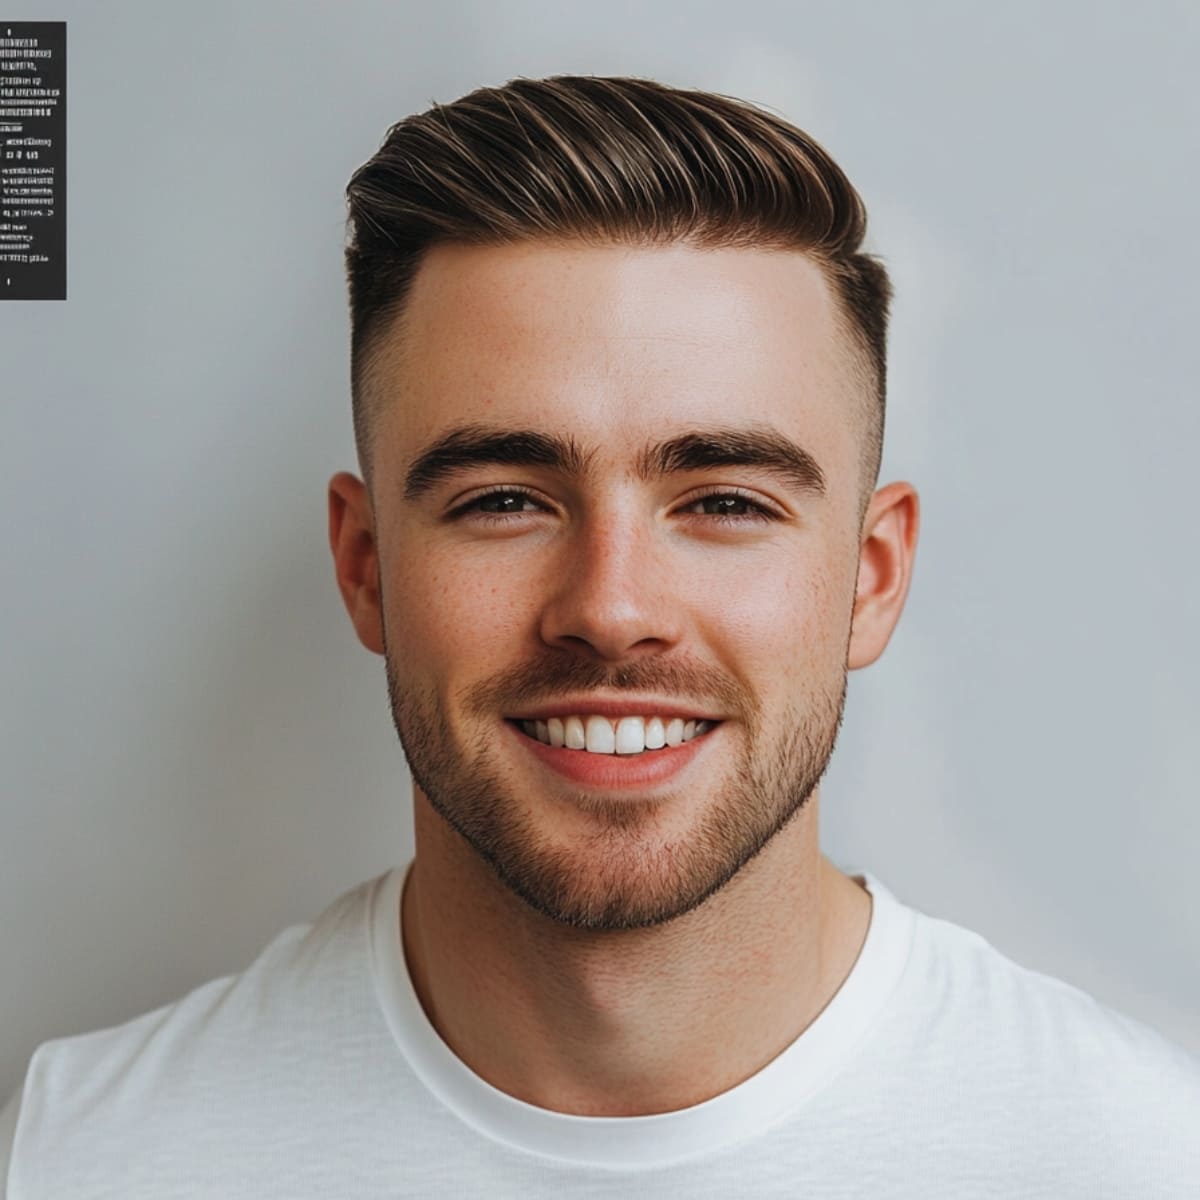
[885, 562]
[355, 556]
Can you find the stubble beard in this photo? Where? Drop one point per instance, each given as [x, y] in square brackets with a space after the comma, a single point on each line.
[620, 878]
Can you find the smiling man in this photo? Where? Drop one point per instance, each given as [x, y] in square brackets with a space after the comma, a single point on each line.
[618, 381]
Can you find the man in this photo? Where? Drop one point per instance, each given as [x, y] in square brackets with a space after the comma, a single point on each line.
[618, 380]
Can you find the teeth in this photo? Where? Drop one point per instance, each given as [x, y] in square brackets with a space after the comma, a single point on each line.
[601, 739]
[656, 734]
[629, 735]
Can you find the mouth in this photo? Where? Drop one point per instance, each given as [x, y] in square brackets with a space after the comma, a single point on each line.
[628, 736]
[613, 765]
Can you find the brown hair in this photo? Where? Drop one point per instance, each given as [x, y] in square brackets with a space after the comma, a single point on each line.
[605, 160]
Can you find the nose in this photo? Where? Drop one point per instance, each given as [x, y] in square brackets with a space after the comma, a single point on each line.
[614, 596]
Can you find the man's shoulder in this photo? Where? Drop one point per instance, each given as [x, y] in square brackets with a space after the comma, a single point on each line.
[239, 1027]
[1048, 1037]
[90, 1071]
[988, 976]
[84, 1077]
[293, 970]
[1012, 1065]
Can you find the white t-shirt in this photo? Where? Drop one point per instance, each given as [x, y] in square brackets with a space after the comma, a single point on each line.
[939, 1069]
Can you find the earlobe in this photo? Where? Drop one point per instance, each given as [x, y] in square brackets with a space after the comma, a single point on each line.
[355, 556]
[885, 564]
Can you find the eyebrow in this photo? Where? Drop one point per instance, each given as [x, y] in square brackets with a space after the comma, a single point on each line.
[760, 447]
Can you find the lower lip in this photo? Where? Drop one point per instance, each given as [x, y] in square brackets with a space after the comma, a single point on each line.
[615, 772]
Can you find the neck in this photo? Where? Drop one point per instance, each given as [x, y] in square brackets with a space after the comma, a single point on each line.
[627, 1023]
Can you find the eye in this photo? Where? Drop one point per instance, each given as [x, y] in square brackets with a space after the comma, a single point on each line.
[724, 501]
[501, 504]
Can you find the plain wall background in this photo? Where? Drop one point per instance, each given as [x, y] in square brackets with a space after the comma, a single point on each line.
[194, 748]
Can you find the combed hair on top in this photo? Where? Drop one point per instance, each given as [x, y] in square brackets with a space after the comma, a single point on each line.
[604, 160]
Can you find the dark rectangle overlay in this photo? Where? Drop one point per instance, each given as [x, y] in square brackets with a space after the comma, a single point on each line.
[33, 160]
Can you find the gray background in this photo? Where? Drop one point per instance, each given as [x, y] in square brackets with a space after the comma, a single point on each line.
[194, 748]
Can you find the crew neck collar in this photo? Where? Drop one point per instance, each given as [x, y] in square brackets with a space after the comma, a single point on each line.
[746, 1110]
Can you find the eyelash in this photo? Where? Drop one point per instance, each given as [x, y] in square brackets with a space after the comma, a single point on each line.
[760, 514]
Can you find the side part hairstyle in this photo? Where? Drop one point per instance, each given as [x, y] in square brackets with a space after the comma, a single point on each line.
[605, 160]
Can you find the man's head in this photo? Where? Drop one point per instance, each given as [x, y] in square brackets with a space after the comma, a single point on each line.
[616, 449]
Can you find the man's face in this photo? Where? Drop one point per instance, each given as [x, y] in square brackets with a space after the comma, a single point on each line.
[724, 588]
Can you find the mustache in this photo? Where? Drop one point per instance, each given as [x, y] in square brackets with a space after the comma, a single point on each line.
[543, 680]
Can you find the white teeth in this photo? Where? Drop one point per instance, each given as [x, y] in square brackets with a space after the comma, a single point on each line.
[600, 736]
[656, 734]
[629, 735]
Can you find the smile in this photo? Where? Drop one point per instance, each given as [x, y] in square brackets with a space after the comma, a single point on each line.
[625, 735]
[616, 768]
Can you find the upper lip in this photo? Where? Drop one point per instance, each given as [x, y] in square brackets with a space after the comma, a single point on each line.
[595, 705]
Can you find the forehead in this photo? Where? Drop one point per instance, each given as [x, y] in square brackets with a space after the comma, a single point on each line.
[615, 342]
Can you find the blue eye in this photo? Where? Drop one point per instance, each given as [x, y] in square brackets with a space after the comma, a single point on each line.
[510, 503]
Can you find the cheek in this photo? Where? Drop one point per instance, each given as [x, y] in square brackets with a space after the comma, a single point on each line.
[441, 610]
[788, 627]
